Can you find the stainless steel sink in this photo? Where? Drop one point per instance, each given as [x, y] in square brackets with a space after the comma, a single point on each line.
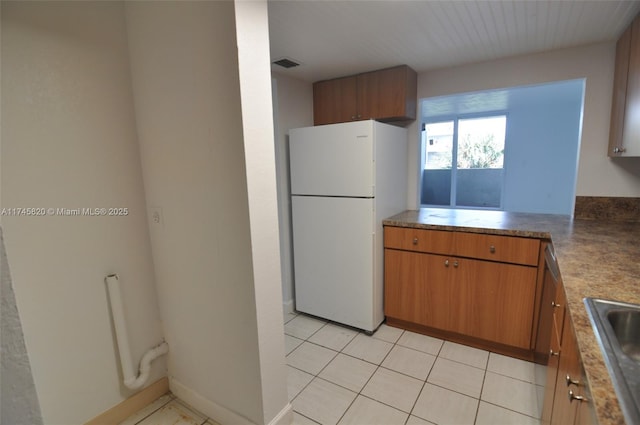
[617, 327]
[626, 327]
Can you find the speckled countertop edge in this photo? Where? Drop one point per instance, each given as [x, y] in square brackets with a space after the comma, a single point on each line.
[596, 258]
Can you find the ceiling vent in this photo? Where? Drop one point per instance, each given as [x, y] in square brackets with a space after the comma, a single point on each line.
[286, 63]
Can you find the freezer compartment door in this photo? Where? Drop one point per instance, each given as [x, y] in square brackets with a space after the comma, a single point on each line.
[334, 259]
[333, 160]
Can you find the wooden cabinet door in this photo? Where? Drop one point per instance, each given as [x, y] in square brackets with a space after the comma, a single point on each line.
[494, 301]
[585, 414]
[623, 47]
[439, 297]
[334, 101]
[416, 289]
[626, 120]
[553, 364]
[631, 131]
[388, 94]
[552, 376]
[564, 411]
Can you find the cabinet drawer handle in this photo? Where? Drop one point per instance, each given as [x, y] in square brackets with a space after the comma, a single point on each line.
[554, 353]
[570, 381]
[572, 397]
[492, 249]
[446, 263]
[415, 241]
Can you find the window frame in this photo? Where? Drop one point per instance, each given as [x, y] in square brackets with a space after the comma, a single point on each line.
[454, 156]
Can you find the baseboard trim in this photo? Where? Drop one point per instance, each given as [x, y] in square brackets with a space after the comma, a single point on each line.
[219, 413]
[287, 306]
[285, 417]
[128, 407]
[209, 408]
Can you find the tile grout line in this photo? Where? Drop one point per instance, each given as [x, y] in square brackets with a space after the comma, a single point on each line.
[423, 385]
[484, 377]
[379, 366]
[368, 380]
[320, 371]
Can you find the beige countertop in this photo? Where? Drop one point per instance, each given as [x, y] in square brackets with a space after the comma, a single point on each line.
[597, 258]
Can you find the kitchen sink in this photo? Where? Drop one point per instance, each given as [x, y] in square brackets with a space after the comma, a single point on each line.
[626, 328]
[617, 327]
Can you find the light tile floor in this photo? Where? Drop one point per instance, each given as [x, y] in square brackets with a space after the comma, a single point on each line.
[168, 410]
[336, 375]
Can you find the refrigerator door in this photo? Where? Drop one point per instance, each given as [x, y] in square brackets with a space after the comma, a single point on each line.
[333, 160]
[334, 259]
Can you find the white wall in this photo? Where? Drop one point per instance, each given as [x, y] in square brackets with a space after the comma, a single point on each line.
[294, 109]
[597, 174]
[69, 141]
[213, 274]
[252, 27]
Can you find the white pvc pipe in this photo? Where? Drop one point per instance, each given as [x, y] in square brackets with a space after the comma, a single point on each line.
[131, 381]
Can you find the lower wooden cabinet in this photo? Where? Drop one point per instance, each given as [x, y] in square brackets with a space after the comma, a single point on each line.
[567, 398]
[485, 300]
[558, 307]
[407, 295]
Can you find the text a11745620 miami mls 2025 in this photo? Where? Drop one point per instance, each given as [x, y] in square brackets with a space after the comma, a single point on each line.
[58, 211]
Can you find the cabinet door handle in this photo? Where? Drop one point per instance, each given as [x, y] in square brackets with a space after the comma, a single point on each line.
[415, 241]
[554, 304]
[492, 249]
[570, 381]
[455, 263]
[619, 150]
[446, 263]
[572, 397]
[554, 353]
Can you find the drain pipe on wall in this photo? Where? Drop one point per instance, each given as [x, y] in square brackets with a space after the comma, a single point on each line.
[131, 381]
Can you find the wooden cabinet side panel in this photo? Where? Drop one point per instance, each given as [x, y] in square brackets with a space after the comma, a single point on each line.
[619, 91]
[496, 301]
[334, 101]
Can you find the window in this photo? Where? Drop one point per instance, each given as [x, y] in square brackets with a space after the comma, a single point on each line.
[463, 163]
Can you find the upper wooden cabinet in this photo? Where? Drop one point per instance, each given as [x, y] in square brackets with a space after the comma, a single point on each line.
[385, 95]
[624, 130]
[335, 100]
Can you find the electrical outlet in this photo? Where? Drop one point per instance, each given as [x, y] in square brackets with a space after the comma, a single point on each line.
[155, 215]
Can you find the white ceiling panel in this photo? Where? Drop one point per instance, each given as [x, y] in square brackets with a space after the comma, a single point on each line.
[337, 38]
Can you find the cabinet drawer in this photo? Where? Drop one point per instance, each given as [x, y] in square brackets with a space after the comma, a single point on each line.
[506, 249]
[420, 240]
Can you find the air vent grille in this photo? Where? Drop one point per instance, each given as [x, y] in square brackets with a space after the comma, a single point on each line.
[286, 63]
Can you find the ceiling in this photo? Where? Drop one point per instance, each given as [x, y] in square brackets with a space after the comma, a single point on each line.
[338, 38]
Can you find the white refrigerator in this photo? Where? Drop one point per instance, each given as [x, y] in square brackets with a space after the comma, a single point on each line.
[345, 179]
